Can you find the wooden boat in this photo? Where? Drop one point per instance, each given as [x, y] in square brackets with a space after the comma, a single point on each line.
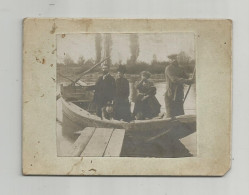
[77, 97]
[82, 117]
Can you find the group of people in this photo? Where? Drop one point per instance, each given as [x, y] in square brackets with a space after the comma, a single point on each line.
[111, 96]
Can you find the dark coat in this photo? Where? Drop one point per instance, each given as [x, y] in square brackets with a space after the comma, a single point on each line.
[105, 89]
[122, 88]
[121, 102]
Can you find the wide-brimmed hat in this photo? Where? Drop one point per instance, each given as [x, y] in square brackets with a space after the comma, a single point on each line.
[121, 68]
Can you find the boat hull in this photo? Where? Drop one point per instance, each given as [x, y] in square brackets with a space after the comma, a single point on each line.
[84, 119]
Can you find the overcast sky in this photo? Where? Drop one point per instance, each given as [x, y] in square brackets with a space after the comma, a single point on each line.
[161, 44]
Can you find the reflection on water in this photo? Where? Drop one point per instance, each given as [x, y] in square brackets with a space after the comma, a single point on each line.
[67, 132]
[69, 128]
[163, 143]
[190, 102]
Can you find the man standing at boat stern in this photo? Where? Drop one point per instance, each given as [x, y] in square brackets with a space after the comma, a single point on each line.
[105, 89]
[175, 80]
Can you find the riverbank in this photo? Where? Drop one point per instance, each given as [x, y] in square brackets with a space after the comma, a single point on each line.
[92, 77]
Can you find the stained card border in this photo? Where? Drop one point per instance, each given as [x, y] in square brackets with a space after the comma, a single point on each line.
[214, 69]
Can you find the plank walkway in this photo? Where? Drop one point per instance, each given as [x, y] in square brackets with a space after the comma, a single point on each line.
[115, 144]
[98, 142]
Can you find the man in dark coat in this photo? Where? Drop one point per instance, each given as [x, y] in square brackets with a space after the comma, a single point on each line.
[175, 80]
[104, 90]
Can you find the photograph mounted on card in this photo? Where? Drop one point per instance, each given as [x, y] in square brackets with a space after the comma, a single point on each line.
[126, 97]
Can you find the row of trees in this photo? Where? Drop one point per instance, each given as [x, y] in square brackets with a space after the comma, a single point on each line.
[133, 65]
[155, 67]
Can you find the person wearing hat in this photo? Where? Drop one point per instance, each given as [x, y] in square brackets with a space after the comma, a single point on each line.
[105, 89]
[175, 80]
[121, 101]
[146, 104]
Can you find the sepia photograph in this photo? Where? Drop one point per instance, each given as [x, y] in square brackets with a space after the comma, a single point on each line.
[126, 95]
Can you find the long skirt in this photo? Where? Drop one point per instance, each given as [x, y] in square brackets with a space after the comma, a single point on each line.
[146, 109]
[122, 109]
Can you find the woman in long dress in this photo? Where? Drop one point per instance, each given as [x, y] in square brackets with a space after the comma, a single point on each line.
[146, 104]
[121, 101]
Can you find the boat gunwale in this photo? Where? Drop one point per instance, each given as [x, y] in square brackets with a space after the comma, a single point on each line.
[127, 125]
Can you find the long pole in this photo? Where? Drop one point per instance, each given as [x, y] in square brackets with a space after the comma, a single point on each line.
[189, 87]
[84, 73]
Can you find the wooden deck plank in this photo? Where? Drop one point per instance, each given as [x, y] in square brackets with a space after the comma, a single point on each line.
[98, 143]
[80, 144]
[115, 144]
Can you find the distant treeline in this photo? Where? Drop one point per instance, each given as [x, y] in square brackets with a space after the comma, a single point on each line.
[155, 67]
[133, 64]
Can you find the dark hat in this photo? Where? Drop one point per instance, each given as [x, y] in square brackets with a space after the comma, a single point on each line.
[121, 68]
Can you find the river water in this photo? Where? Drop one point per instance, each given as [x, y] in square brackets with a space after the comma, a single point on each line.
[66, 129]
[190, 102]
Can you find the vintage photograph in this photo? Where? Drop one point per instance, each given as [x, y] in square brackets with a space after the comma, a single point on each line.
[126, 95]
